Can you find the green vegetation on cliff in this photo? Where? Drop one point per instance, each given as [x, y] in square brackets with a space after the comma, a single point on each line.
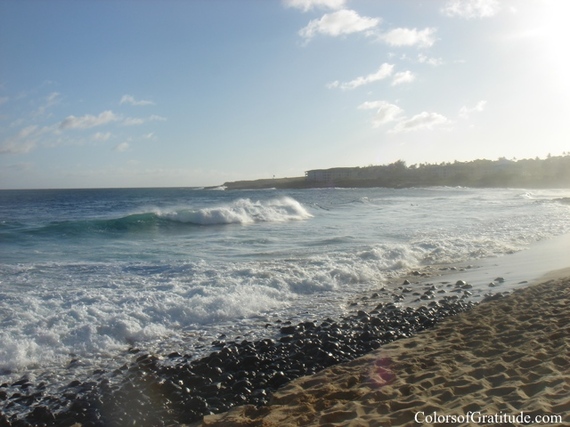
[554, 171]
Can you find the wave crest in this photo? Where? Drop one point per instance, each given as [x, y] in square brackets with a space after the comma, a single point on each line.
[242, 211]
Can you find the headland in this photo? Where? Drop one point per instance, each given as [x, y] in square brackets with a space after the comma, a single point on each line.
[552, 172]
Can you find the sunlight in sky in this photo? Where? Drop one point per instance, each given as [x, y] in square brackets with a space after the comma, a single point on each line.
[545, 25]
[199, 93]
[554, 30]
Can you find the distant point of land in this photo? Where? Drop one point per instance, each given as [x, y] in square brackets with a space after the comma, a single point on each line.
[552, 172]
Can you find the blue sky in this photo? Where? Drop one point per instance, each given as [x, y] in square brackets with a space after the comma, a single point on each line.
[194, 93]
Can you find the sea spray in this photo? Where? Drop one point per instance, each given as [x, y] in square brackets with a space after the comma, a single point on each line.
[242, 211]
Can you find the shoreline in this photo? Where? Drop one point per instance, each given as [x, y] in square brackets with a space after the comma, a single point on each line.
[177, 388]
[508, 356]
[149, 373]
[518, 269]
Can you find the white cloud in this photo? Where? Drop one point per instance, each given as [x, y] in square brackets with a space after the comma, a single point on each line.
[88, 121]
[100, 136]
[307, 5]
[23, 142]
[471, 8]
[128, 99]
[409, 37]
[403, 77]
[423, 59]
[383, 72]
[122, 147]
[385, 112]
[338, 23]
[420, 121]
[133, 121]
[51, 100]
[465, 111]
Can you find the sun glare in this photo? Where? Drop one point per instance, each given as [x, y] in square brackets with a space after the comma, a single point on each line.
[553, 33]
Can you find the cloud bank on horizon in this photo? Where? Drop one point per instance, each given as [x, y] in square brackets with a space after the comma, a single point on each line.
[283, 87]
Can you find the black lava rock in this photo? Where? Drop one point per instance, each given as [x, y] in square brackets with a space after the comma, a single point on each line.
[150, 392]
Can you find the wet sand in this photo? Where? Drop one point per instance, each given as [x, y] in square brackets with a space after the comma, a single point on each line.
[507, 358]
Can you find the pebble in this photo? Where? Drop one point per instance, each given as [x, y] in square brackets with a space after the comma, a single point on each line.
[175, 389]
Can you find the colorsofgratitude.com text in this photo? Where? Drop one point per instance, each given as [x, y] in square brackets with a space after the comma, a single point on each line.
[480, 418]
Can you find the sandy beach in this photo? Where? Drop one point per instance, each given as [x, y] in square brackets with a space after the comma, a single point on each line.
[506, 362]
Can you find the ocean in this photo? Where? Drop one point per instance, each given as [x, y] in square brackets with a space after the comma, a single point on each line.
[87, 274]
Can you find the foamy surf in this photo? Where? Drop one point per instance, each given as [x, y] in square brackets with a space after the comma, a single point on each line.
[85, 274]
[242, 211]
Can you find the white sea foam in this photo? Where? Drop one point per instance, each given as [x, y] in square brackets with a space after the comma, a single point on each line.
[62, 299]
[108, 315]
[242, 211]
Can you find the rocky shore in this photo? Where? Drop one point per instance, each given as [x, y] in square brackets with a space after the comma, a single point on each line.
[173, 389]
[506, 362]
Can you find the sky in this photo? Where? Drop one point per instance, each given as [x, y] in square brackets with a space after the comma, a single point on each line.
[125, 93]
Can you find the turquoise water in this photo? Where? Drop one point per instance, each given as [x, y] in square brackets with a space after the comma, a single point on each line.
[85, 274]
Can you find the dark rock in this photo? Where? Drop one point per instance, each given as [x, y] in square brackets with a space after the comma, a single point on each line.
[278, 379]
[462, 284]
[41, 413]
[493, 297]
[4, 421]
[286, 339]
[288, 330]
[182, 390]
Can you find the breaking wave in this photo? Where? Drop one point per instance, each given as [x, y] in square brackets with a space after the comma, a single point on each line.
[241, 211]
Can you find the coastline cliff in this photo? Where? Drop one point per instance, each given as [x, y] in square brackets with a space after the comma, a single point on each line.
[552, 172]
